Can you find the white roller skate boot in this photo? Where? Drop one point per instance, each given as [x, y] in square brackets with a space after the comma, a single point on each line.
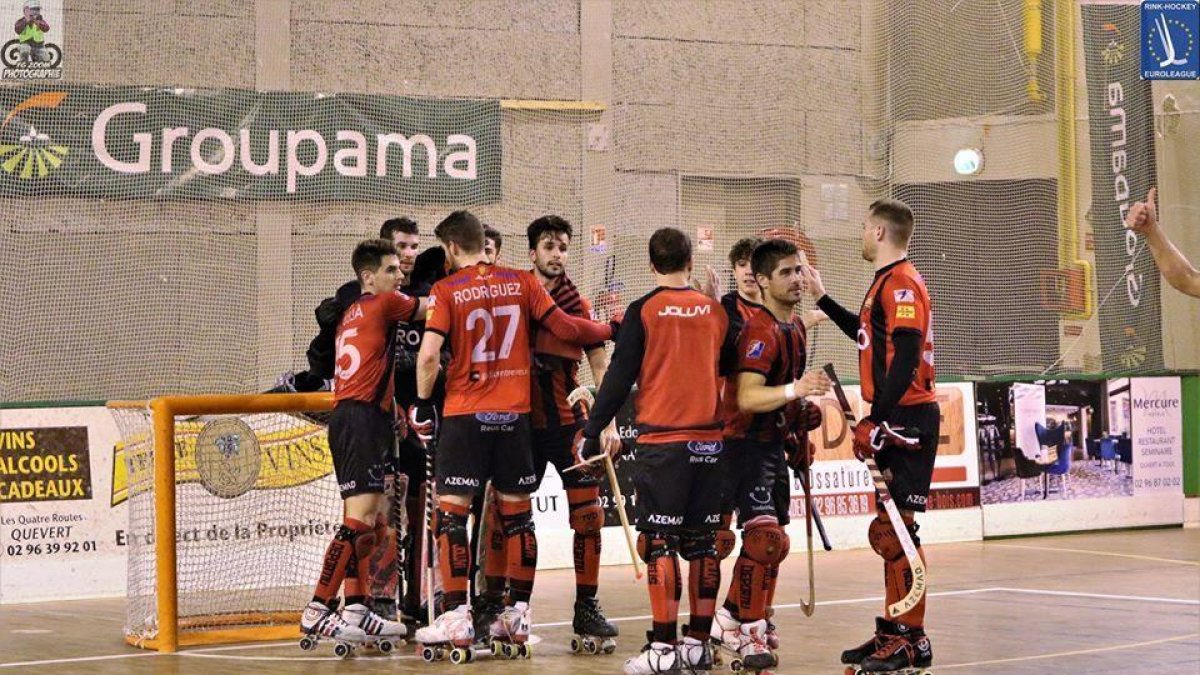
[510, 632]
[381, 633]
[656, 657]
[755, 654]
[452, 633]
[319, 622]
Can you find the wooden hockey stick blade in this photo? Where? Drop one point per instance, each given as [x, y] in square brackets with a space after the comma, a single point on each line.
[619, 501]
[582, 393]
[917, 591]
[587, 462]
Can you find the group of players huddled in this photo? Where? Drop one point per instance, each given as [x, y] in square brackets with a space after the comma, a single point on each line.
[470, 365]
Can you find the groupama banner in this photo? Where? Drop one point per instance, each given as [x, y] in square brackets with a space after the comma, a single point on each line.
[142, 142]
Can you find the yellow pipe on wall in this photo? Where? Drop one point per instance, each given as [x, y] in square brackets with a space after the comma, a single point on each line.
[1064, 96]
[1033, 47]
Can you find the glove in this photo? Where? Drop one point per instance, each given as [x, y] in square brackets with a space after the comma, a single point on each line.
[800, 451]
[584, 448]
[870, 438]
[423, 420]
[802, 415]
[400, 426]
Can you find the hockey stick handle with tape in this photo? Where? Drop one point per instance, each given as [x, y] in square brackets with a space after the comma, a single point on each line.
[917, 591]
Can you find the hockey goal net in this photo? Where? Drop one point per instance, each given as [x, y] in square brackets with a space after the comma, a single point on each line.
[232, 501]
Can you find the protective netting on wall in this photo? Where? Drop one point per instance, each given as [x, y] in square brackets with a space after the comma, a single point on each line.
[160, 240]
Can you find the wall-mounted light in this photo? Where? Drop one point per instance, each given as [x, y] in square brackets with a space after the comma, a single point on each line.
[968, 161]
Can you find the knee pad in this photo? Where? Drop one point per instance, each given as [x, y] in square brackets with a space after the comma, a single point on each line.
[449, 523]
[697, 545]
[726, 541]
[654, 545]
[884, 540]
[587, 518]
[766, 543]
[516, 523]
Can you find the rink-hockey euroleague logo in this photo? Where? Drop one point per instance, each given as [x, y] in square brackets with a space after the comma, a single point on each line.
[228, 457]
[34, 155]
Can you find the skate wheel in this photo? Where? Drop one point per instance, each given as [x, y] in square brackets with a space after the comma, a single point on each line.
[428, 655]
[735, 665]
[342, 650]
[308, 644]
[458, 656]
[576, 645]
[590, 647]
[497, 648]
[524, 651]
[385, 646]
[609, 647]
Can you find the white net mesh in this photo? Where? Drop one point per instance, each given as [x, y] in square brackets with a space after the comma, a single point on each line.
[256, 506]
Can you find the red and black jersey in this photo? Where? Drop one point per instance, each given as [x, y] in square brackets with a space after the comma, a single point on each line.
[556, 362]
[775, 349]
[674, 342]
[485, 312]
[739, 310]
[897, 302]
[365, 345]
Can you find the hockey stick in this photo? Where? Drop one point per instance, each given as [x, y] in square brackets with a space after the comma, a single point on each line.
[482, 534]
[889, 506]
[806, 483]
[584, 396]
[808, 607]
[427, 548]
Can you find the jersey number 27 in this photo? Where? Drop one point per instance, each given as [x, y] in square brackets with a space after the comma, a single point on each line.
[480, 315]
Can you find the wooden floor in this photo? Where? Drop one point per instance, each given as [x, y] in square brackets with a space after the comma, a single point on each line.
[1093, 603]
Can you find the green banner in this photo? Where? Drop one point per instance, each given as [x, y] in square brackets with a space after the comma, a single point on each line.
[137, 142]
[1121, 128]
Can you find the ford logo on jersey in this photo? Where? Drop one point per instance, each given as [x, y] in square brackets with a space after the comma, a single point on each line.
[496, 417]
[706, 447]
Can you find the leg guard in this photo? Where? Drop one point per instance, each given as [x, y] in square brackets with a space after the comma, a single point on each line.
[764, 546]
[339, 557]
[385, 577]
[726, 541]
[516, 518]
[704, 580]
[454, 553]
[663, 582]
[897, 573]
[587, 518]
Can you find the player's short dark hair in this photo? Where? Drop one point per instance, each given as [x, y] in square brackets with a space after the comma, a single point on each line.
[391, 226]
[369, 255]
[461, 228]
[547, 225]
[492, 233]
[742, 250]
[670, 250]
[897, 217]
[767, 255]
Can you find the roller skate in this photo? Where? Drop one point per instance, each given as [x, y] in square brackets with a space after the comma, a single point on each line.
[726, 636]
[594, 634]
[694, 656]
[319, 622]
[450, 635]
[385, 608]
[486, 609]
[510, 633]
[656, 657]
[903, 650]
[381, 633]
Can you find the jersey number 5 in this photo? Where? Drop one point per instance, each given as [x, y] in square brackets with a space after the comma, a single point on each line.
[481, 353]
[348, 351]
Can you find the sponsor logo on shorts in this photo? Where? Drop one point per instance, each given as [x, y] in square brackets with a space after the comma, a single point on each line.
[760, 495]
[527, 480]
[705, 447]
[496, 417]
[461, 481]
[904, 295]
[348, 485]
[756, 349]
[659, 519]
[918, 500]
[712, 519]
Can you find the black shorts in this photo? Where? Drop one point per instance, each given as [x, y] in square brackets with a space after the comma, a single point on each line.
[912, 470]
[756, 480]
[361, 441]
[553, 446]
[410, 461]
[679, 486]
[473, 449]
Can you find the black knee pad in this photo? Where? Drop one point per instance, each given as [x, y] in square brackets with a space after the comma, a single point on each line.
[516, 523]
[697, 545]
[654, 545]
[449, 524]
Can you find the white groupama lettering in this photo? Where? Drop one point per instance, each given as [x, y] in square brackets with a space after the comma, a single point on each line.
[687, 312]
[214, 151]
